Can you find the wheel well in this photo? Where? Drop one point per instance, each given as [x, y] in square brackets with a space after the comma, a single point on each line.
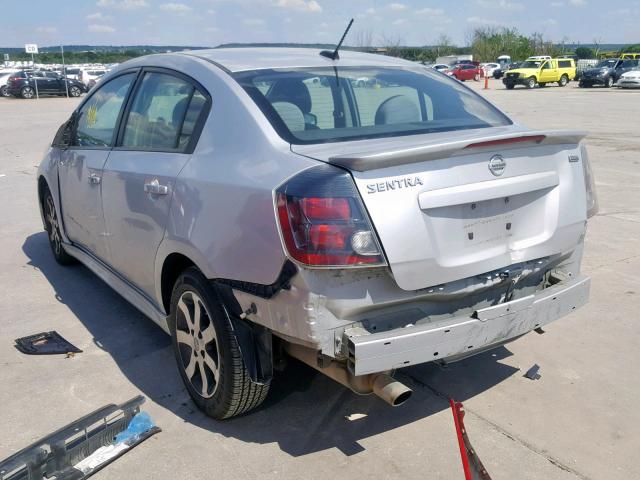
[173, 266]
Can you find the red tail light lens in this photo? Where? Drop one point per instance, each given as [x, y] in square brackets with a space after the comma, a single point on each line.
[323, 221]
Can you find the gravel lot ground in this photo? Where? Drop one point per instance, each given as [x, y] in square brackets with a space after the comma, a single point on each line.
[578, 421]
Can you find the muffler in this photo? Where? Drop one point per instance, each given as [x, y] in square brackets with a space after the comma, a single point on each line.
[383, 385]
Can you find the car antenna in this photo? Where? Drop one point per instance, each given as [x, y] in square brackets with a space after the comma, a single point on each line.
[334, 55]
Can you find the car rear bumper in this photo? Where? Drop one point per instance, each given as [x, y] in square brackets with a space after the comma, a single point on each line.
[492, 326]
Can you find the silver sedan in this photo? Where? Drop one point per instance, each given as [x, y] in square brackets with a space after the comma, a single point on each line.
[258, 206]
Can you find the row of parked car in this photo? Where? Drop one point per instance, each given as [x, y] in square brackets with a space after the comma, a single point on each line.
[539, 71]
[28, 83]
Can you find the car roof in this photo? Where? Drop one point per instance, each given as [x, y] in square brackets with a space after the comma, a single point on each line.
[242, 58]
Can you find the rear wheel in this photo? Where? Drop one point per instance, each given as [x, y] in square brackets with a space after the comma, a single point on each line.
[531, 82]
[53, 230]
[207, 352]
[4, 91]
[608, 83]
[27, 92]
[563, 81]
[510, 86]
[476, 77]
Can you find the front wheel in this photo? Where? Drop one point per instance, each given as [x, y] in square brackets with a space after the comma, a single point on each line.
[53, 230]
[27, 92]
[608, 82]
[207, 352]
[75, 91]
[510, 86]
[476, 77]
[563, 81]
[531, 82]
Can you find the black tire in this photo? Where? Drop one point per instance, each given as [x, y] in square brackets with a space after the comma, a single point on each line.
[229, 391]
[581, 84]
[608, 83]
[476, 77]
[52, 226]
[510, 86]
[563, 81]
[531, 82]
[75, 91]
[27, 93]
[542, 84]
[4, 91]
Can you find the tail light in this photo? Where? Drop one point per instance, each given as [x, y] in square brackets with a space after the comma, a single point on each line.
[323, 220]
[590, 184]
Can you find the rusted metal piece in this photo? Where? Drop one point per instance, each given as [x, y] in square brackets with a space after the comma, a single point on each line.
[471, 464]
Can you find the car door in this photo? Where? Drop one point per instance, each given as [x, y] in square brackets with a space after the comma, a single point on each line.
[80, 166]
[549, 72]
[155, 142]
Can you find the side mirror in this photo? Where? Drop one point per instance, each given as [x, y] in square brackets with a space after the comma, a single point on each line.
[64, 136]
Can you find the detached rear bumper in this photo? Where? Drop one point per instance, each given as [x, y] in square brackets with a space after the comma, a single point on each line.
[379, 352]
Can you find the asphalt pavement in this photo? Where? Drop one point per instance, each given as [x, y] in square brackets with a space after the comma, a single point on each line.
[579, 420]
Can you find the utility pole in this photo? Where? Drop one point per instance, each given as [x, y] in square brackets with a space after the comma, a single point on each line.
[64, 72]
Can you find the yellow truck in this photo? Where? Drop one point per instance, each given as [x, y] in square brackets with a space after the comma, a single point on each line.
[537, 71]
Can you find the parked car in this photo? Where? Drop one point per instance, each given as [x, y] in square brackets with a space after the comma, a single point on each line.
[4, 78]
[540, 72]
[605, 73]
[584, 64]
[23, 84]
[441, 67]
[499, 72]
[489, 68]
[466, 71]
[630, 79]
[416, 224]
[89, 77]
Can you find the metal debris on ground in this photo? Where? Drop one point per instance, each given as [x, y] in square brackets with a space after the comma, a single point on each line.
[532, 373]
[83, 447]
[471, 464]
[46, 343]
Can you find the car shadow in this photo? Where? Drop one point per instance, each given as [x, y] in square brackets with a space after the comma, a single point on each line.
[305, 411]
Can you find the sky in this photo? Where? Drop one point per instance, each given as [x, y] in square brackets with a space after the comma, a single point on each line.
[212, 22]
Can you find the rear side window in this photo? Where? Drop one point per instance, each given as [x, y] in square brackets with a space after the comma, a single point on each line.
[98, 117]
[164, 114]
[564, 63]
[317, 105]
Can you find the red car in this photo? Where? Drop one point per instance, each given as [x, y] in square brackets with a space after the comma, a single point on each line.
[466, 71]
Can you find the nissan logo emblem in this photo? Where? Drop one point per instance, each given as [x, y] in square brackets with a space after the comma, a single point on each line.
[497, 165]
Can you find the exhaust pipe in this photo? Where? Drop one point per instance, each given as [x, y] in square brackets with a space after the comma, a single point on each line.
[383, 385]
[391, 390]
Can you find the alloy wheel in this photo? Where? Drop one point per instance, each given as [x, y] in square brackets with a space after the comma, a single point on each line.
[197, 344]
[74, 91]
[52, 222]
[27, 92]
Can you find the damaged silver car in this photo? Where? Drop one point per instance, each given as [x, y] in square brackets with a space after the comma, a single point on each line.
[260, 204]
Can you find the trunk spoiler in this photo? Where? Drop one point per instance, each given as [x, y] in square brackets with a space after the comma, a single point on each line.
[439, 149]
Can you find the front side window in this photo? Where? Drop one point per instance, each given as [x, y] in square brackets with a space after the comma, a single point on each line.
[98, 117]
[316, 105]
[164, 113]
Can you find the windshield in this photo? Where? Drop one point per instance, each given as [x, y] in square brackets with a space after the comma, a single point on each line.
[531, 64]
[317, 105]
[607, 64]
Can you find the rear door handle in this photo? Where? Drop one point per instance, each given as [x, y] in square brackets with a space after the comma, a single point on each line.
[94, 178]
[155, 188]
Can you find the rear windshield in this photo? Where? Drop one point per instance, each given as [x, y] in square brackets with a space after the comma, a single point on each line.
[317, 105]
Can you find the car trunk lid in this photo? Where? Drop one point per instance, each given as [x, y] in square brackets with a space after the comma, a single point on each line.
[452, 205]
